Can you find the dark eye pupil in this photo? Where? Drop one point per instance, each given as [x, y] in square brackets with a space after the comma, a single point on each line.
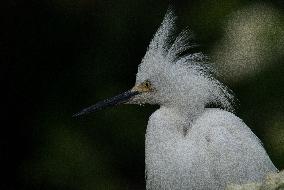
[147, 84]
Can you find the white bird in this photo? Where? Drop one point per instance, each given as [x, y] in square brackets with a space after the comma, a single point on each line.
[190, 146]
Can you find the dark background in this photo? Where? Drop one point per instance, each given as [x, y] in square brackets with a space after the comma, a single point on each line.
[58, 56]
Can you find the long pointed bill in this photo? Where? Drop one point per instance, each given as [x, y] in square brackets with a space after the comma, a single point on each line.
[119, 99]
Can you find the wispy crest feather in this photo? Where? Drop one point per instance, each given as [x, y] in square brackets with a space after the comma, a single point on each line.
[164, 59]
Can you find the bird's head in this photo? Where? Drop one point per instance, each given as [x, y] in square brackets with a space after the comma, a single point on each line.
[166, 78]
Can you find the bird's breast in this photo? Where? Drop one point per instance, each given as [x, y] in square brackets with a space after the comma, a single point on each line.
[169, 154]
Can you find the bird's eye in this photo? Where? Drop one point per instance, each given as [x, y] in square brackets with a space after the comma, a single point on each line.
[147, 84]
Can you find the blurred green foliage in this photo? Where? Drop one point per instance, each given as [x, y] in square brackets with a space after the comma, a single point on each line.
[65, 55]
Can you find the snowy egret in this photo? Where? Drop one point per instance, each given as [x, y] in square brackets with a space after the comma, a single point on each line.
[188, 145]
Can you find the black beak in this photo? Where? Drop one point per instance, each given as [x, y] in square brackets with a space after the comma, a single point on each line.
[116, 100]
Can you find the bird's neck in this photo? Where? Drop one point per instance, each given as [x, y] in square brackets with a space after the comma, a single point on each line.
[167, 127]
[189, 112]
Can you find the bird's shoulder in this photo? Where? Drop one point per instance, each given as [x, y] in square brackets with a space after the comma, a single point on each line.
[224, 127]
[215, 117]
[219, 122]
[225, 136]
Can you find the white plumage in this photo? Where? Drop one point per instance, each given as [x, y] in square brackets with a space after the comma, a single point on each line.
[218, 149]
[189, 146]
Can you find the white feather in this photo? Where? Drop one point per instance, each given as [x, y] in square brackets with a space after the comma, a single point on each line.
[189, 146]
